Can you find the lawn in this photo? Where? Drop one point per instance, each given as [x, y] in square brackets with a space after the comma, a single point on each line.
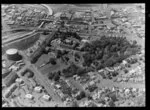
[49, 67]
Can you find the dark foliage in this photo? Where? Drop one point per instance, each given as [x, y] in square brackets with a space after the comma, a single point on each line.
[52, 61]
[72, 70]
[56, 76]
[108, 51]
[81, 95]
[92, 88]
[50, 76]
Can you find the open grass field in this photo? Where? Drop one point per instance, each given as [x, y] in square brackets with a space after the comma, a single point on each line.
[49, 67]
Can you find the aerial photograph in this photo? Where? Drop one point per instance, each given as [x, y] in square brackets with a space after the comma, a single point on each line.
[73, 55]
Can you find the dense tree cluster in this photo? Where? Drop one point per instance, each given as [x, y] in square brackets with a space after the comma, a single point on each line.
[54, 75]
[68, 72]
[81, 95]
[73, 70]
[108, 51]
[65, 35]
[61, 53]
[53, 61]
[77, 56]
[65, 88]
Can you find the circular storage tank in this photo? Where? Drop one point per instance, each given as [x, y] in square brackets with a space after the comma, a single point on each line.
[12, 54]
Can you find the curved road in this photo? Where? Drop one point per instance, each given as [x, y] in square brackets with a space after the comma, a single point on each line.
[48, 8]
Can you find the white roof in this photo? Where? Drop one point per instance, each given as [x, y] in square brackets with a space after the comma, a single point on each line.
[91, 83]
[84, 40]
[124, 61]
[37, 88]
[46, 97]
[11, 51]
[29, 96]
[100, 70]
[19, 80]
[57, 85]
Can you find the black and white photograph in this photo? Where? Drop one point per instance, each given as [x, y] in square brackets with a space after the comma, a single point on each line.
[73, 55]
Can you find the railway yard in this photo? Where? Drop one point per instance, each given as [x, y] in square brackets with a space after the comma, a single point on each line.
[67, 55]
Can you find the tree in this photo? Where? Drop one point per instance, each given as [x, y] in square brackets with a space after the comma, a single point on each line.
[77, 55]
[52, 61]
[99, 55]
[111, 103]
[114, 74]
[45, 32]
[126, 71]
[129, 65]
[80, 71]
[96, 63]
[59, 72]
[134, 42]
[71, 70]
[56, 76]
[59, 53]
[74, 104]
[82, 95]
[107, 51]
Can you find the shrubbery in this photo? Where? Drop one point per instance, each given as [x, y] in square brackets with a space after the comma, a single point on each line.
[108, 51]
[73, 70]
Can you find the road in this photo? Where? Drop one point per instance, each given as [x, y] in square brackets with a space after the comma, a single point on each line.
[40, 77]
[46, 85]
[48, 8]
[42, 80]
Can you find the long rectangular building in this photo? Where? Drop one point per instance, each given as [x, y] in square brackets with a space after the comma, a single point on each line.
[10, 79]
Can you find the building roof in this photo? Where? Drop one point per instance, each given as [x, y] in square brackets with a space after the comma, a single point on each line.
[38, 88]
[47, 97]
[29, 96]
[11, 51]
